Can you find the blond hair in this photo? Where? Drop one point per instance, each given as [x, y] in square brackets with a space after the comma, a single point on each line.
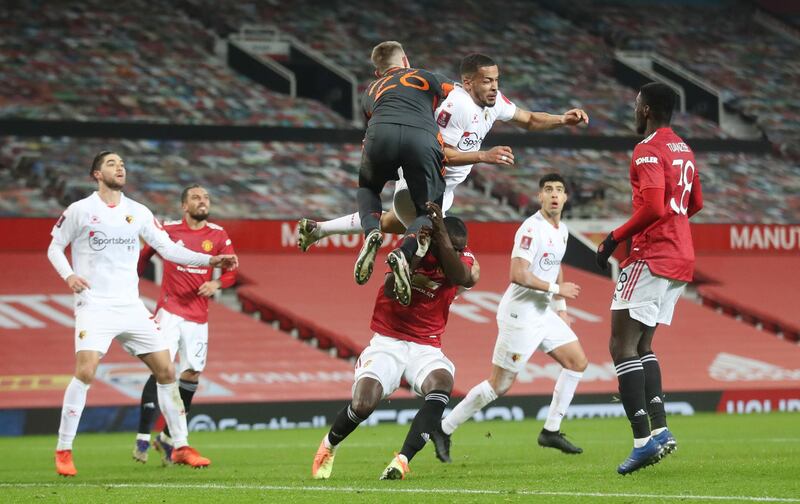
[387, 55]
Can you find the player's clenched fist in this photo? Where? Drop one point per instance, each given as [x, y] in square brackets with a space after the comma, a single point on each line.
[77, 284]
[568, 290]
[500, 155]
[574, 117]
[224, 261]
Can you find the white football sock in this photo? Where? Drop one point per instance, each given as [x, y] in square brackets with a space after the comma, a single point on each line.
[349, 224]
[74, 401]
[169, 400]
[480, 395]
[563, 393]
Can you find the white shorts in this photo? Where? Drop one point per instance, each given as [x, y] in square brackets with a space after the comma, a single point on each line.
[186, 338]
[131, 325]
[650, 299]
[404, 208]
[516, 341]
[388, 359]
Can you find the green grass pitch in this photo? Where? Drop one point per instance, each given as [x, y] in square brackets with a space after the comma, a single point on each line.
[751, 458]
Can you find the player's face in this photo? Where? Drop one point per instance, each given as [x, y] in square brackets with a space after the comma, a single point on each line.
[483, 86]
[639, 115]
[197, 203]
[112, 172]
[552, 197]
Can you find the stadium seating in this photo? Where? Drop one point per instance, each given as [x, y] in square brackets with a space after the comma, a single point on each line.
[737, 187]
[282, 180]
[145, 62]
[266, 180]
[746, 60]
[546, 62]
[163, 70]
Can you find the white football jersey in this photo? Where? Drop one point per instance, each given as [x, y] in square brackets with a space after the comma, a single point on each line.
[464, 124]
[543, 246]
[105, 248]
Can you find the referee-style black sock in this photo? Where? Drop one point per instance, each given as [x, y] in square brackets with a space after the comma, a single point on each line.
[345, 423]
[369, 209]
[187, 390]
[630, 375]
[428, 419]
[148, 406]
[652, 391]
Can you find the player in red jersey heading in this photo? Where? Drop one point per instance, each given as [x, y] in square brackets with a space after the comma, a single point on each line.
[407, 343]
[182, 310]
[666, 193]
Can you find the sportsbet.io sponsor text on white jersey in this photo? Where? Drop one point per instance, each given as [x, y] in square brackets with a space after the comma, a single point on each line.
[105, 248]
[464, 124]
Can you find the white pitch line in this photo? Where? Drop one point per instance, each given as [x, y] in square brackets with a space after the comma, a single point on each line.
[395, 490]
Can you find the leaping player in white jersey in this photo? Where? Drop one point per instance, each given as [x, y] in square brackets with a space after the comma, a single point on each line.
[529, 318]
[464, 118]
[103, 231]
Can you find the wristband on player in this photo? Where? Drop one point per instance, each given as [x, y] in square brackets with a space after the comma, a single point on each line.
[554, 288]
[558, 304]
[422, 249]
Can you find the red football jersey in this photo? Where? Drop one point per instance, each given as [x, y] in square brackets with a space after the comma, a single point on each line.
[180, 283]
[424, 320]
[663, 160]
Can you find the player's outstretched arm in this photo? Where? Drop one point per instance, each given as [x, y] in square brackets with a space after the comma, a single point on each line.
[155, 236]
[499, 155]
[542, 121]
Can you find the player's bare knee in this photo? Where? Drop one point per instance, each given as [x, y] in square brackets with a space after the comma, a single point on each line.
[363, 406]
[439, 379]
[578, 363]
[366, 396]
[620, 349]
[164, 373]
[85, 372]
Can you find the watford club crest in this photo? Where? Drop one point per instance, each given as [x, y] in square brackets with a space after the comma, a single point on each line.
[515, 357]
[129, 219]
[81, 334]
[207, 245]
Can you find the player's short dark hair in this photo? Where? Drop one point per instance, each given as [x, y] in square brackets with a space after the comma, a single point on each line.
[552, 177]
[472, 62]
[455, 227]
[97, 162]
[185, 193]
[661, 99]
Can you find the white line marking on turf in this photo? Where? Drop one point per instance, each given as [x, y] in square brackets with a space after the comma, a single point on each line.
[395, 489]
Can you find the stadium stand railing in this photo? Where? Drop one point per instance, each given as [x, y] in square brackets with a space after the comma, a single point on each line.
[139, 61]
